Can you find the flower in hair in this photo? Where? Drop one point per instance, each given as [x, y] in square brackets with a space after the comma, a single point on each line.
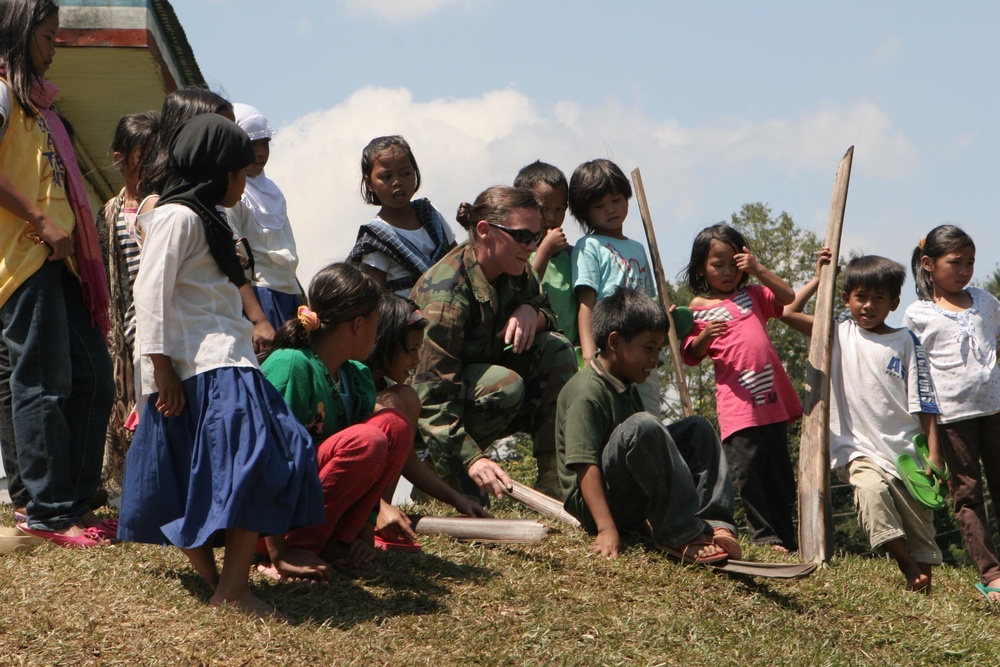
[920, 244]
[309, 319]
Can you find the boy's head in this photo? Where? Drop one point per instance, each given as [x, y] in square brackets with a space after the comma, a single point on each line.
[598, 196]
[549, 185]
[872, 285]
[629, 328]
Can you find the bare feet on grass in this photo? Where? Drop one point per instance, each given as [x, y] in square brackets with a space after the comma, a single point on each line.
[203, 560]
[249, 604]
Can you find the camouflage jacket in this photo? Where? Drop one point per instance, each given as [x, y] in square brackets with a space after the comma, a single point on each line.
[466, 317]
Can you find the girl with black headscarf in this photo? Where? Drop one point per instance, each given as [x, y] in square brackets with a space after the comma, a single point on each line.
[217, 458]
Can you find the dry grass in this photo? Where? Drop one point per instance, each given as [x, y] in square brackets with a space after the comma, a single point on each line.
[475, 604]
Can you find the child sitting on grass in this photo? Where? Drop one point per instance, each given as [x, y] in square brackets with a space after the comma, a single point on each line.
[881, 396]
[619, 466]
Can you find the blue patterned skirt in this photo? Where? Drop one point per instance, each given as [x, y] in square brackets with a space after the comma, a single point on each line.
[234, 458]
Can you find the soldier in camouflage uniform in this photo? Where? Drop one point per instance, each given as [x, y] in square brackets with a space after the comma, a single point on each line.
[491, 363]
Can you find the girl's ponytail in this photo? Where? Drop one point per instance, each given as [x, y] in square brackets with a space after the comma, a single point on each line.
[921, 277]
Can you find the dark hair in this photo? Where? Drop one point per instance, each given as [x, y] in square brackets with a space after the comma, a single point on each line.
[393, 326]
[179, 106]
[18, 20]
[135, 131]
[540, 172]
[337, 294]
[376, 147]
[590, 182]
[629, 311]
[694, 273]
[941, 240]
[874, 273]
[495, 204]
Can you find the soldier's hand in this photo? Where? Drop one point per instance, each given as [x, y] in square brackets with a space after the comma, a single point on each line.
[520, 331]
[490, 477]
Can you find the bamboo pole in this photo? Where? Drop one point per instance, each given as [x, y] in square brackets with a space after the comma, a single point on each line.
[661, 283]
[508, 531]
[541, 503]
[815, 516]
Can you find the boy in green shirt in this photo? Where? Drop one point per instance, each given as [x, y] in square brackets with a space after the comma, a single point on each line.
[619, 467]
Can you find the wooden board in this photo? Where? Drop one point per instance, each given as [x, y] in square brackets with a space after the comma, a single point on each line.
[767, 570]
[661, 287]
[815, 516]
[508, 531]
[541, 503]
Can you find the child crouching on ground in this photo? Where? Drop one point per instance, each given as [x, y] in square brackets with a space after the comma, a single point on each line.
[619, 466]
[881, 397]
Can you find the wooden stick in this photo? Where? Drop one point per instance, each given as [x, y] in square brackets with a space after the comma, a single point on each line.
[815, 516]
[541, 503]
[508, 531]
[661, 283]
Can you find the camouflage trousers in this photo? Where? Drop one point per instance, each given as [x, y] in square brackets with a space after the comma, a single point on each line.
[518, 393]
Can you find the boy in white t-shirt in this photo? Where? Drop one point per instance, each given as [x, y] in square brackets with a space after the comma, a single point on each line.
[881, 397]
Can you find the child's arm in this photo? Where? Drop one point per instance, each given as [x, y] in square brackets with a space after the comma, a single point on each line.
[12, 200]
[426, 479]
[783, 293]
[171, 399]
[263, 332]
[554, 241]
[591, 481]
[929, 424]
[394, 521]
[587, 298]
[793, 315]
[699, 346]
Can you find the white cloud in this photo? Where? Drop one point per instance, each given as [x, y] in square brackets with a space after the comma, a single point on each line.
[466, 145]
[396, 11]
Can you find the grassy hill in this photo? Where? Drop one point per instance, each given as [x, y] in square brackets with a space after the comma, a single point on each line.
[479, 604]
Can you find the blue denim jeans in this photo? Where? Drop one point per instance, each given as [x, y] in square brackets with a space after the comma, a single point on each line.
[62, 389]
[674, 476]
[15, 488]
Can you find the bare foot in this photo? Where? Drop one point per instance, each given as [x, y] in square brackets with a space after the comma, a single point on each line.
[780, 548]
[271, 572]
[252, 606]
[726, 540]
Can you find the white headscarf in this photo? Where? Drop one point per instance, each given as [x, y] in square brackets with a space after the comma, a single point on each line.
[262, 196]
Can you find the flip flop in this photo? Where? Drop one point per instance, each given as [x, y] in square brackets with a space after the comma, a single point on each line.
[725, 540]
[923, 487]
[687, 554]
[402, 543]
[683, 320]
[920, 443]
[90, 537]
[986, 590]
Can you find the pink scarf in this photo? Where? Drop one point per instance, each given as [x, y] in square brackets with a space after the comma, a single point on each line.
[87, 248]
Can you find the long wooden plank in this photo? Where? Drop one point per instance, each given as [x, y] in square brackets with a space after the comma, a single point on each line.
[661, 285]
[541, 503]
[508, 531]
[815, 516]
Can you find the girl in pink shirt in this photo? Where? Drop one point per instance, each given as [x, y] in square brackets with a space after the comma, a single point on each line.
[755, 400]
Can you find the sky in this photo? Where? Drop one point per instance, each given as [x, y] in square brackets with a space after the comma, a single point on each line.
[719, 104]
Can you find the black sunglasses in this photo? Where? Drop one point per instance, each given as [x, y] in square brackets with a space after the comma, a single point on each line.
[523, 236]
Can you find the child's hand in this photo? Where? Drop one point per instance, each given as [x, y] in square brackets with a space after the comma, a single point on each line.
[263, 334]
[171, 400]
[520, 331]
[824, 258]
[394, 522]
[361, 554]
[715, 328]
[553, 242]
[607, 543]
[302, 565]
[470, 508]
[745, 261]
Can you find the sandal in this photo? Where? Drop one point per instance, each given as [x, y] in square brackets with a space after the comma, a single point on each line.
[920, 444]
[726, 540]
[687, 553]
[90, 538]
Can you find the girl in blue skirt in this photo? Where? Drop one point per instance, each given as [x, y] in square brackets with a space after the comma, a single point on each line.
[217, 459]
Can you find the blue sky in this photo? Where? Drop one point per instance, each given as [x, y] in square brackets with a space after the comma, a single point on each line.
[718, 103]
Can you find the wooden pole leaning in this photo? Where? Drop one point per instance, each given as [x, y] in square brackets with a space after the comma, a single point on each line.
[815, 516]
[508, 531]
[541, 503]
[661, 287]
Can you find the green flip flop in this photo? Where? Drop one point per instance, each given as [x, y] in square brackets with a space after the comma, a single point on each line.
[683, 320]
[986, 590]
[923, 487]
[920, 442]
